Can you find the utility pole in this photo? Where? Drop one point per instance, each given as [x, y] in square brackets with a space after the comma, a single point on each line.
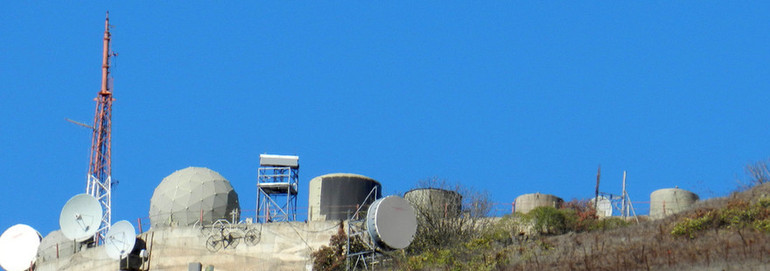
[596, 197]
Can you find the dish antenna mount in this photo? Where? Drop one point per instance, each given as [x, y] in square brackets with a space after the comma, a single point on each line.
[18, 247]
[120, 240]
[80, 217]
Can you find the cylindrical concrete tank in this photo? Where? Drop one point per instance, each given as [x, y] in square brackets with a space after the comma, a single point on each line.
[668, 201]
[191, 194]
[55, 245]
[335, 196]
[435, 202]
[527, 202]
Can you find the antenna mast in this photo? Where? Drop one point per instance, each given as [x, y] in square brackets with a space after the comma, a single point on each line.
[624, 208]
[100, 167]
[598, 176]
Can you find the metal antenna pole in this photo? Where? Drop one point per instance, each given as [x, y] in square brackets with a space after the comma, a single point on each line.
[624, 209]
[99, 183]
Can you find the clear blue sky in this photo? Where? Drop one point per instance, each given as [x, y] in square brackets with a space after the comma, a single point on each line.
[511, 97]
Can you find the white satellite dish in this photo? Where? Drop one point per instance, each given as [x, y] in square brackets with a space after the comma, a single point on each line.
[81, 217]
[120, 240]
[18, 247]
[391, 222]
[603, 206]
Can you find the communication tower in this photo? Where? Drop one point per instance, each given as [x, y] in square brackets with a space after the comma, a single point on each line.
[277, 188]
[100, 167]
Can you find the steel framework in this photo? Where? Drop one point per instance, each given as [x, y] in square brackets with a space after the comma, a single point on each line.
[100, 167]
[361, 251]
[622, 202]
[277, 189]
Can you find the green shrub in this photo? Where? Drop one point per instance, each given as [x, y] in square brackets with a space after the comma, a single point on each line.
[609, 223]
[547, 220]
[431, 258]
[762, 225]
[504, 230]
[763, 202]
[689, 226]
[736, 215]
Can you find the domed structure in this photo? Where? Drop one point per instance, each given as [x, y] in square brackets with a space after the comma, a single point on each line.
[55, 245]
[192, 194]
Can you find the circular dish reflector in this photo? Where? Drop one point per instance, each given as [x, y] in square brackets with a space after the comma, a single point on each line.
[80, 218]
[604, 207]
[18, 247]
[391, 222]
[120, 240]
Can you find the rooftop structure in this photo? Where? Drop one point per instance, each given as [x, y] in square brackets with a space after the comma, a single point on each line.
[277, 188]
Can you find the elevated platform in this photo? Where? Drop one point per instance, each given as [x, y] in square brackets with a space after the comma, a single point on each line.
[278, 188]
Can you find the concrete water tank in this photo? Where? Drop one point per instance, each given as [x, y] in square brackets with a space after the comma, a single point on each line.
[187, 195]
[435, 202]
[335, 196]
[527, 202]
[668, 201]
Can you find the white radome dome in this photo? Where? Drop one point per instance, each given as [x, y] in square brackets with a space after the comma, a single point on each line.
[189, 194]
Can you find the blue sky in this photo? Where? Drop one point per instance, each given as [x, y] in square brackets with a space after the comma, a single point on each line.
[510, 97]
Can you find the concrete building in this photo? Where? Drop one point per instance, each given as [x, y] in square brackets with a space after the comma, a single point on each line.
[281, 246]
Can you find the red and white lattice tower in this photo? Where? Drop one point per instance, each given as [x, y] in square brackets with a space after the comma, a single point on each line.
[100, 168]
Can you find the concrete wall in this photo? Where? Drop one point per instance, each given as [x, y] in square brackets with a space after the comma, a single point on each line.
[282, 246]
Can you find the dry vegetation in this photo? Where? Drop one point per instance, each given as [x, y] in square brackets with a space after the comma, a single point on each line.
[736, 241]
[730, 233]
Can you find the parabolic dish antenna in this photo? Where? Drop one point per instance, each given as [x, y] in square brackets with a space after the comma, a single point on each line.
[18, 247]
[603, 206]
[80, 218]
[391, 222]
[120, 240]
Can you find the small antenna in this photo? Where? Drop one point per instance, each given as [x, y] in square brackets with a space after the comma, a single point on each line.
[80, 123]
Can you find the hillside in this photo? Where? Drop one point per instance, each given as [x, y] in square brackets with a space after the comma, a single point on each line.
[729, 233]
